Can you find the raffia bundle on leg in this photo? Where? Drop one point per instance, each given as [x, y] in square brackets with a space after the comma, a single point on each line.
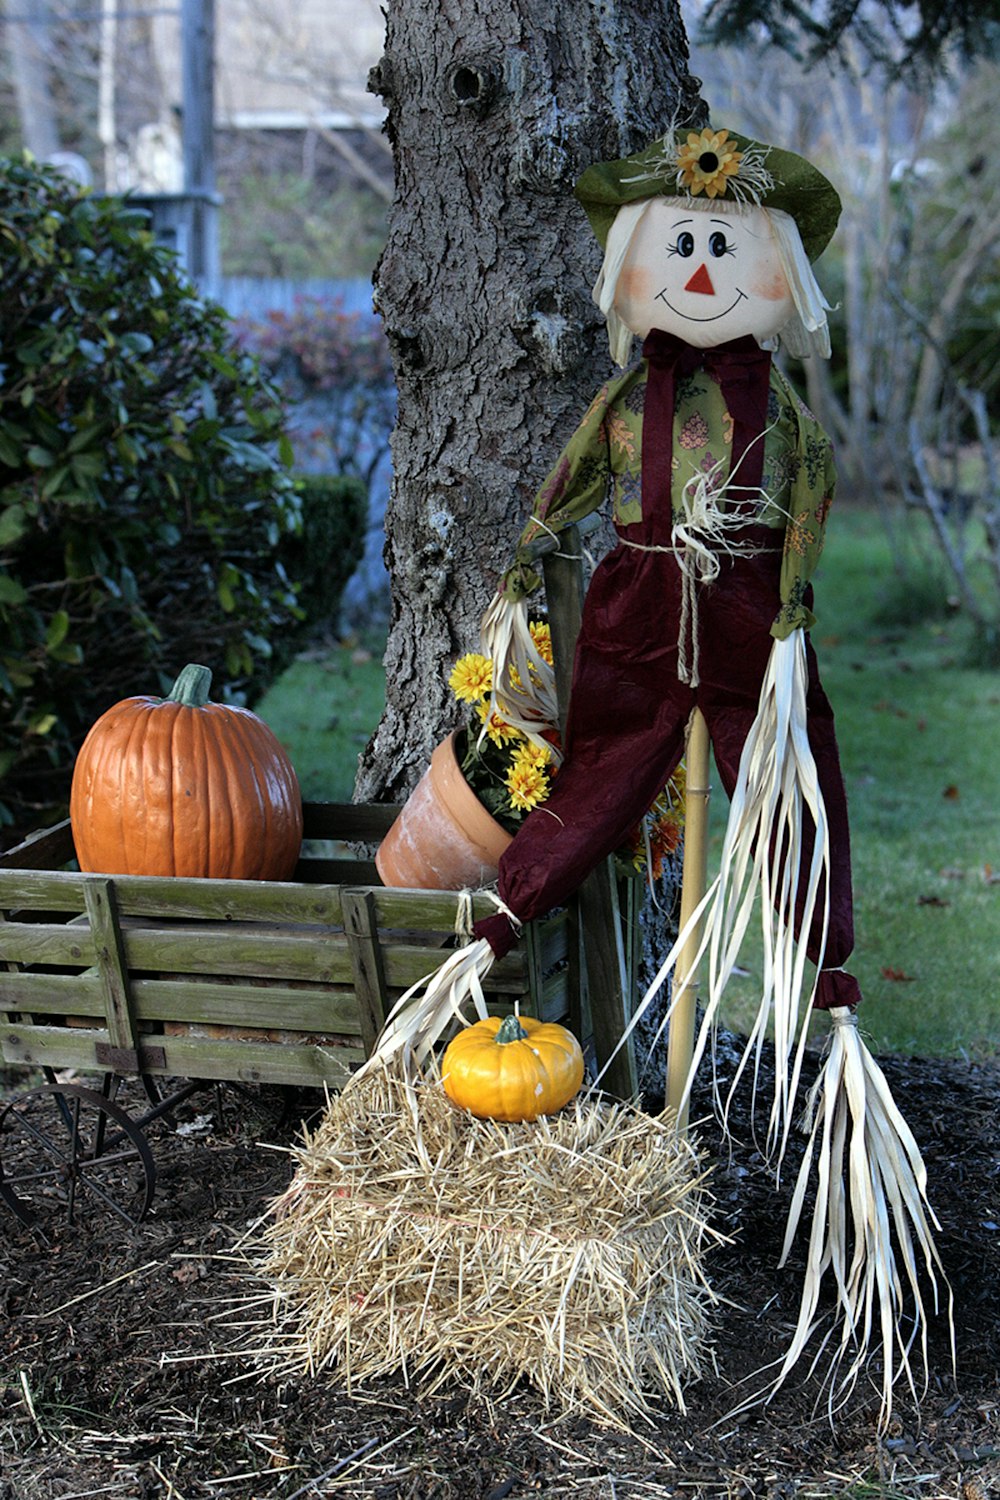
[871, 1199]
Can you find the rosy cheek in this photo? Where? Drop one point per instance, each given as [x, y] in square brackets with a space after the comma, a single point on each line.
[635, 283]
[771, 285]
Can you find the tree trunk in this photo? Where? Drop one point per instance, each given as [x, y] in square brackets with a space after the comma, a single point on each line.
[483, 287]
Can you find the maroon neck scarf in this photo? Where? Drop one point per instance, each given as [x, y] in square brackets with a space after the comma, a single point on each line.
[743, 371]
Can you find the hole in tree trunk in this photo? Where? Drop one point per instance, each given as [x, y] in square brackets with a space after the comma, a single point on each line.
[468, 85]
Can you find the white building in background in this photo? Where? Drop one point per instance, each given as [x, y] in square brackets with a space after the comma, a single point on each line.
[289, 96]
[278, 67]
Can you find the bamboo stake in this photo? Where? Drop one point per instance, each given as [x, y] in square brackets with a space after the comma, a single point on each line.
[680, 1040]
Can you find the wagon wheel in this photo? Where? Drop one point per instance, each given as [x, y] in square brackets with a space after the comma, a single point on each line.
[61, 1144]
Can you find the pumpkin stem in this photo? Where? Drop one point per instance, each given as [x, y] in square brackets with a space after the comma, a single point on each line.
[192, 687]
[510, 1030]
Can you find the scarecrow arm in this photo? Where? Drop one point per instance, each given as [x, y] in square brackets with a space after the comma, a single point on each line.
[812, 493]
[575, 487]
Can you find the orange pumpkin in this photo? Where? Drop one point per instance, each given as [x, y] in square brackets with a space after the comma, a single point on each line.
[182, 786]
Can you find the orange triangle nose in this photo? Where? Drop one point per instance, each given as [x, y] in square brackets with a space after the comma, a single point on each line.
[701, 282]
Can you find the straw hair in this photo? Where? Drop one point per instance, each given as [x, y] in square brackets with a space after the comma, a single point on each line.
[626, 222]
[566, 1252]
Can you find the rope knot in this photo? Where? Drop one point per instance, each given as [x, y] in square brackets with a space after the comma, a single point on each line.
[842, 1015]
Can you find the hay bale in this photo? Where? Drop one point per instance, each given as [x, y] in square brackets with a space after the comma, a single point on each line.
[567, 1252]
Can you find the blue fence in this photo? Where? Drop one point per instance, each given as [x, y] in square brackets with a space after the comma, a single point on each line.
[255, 297]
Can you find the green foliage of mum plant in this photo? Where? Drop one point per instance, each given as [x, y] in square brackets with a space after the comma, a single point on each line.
[144, 489]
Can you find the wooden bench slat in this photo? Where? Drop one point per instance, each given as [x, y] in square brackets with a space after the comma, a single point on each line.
[188, 1057]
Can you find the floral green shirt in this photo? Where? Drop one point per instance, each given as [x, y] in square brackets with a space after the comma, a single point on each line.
[605, 456]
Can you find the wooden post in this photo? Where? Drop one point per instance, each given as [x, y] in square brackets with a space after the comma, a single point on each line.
[680, 1040]
[198, 134]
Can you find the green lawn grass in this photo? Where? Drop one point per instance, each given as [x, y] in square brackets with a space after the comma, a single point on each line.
[323, 710]
[918, 733]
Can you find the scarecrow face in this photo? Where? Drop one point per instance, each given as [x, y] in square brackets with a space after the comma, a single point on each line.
[706, 275]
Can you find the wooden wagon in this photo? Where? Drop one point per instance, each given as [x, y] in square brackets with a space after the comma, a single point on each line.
[249, 982]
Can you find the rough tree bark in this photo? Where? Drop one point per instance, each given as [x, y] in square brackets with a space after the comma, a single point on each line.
[493, 111]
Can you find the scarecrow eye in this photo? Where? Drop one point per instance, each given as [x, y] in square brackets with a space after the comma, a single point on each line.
[683, 245]
[718, 245]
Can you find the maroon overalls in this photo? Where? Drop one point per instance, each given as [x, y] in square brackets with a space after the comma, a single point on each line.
[628, 707]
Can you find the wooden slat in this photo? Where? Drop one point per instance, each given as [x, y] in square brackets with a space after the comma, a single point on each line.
[315, 870]
[109, 952]
[554, 1005]
[323, 1010]
[243, 950]
[52, 994]
[554, 939]
[405, 965]
[366, 956]
[360, 821]
[45, 850]
[181, 995]
[41, 890]
[47, 943]
[168, 896]
[229, 900]
[431, 910]
[261, 1062]
[37, 1046]
[607, 986]
[188, 1057]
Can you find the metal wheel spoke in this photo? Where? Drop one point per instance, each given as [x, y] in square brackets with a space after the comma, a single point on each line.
[108, 1158]
[46, 1140]
[41, 1175]
[121, 1179]
[90, 1186]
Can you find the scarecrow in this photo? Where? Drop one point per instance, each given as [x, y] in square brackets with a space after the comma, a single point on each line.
[721, 483]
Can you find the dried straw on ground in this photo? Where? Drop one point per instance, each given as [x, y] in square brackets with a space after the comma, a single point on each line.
[567, 1252]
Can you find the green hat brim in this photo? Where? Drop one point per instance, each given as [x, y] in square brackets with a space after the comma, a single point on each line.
[799, 188]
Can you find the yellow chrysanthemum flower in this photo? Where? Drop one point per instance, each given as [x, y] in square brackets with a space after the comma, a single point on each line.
[541, 634]
[471, 677]
[498, 730]
[527, 784]
[531, 755]
[706, 162]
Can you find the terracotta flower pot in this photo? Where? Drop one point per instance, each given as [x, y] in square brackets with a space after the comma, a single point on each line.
[444, 839]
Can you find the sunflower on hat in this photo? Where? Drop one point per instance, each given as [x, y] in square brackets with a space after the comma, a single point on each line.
[706, 161]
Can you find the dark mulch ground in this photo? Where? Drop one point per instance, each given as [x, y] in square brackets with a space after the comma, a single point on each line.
[108, 1385]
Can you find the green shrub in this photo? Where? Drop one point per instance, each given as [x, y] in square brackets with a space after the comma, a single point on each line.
[144, 491]
[323, 555]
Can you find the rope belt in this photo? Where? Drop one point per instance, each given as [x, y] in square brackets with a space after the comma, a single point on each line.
[699, 563]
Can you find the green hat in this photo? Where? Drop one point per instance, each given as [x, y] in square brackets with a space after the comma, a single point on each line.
[715, 164]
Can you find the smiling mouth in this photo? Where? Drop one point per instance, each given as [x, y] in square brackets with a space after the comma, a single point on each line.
[740, 297]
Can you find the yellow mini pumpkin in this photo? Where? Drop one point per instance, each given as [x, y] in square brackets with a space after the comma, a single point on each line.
[514, 1069]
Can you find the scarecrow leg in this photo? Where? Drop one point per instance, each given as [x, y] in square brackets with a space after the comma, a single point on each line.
[680, 1039]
